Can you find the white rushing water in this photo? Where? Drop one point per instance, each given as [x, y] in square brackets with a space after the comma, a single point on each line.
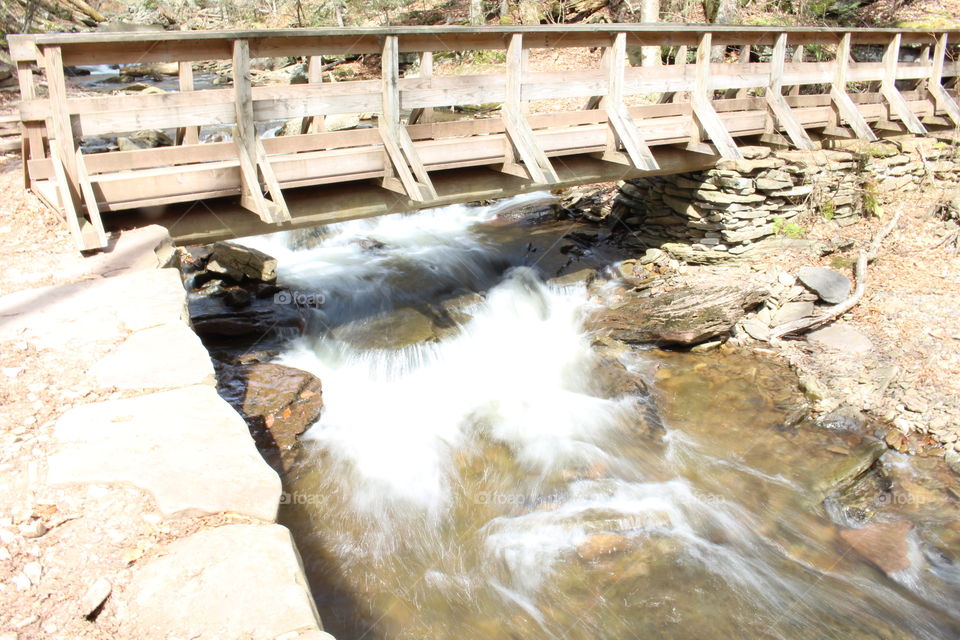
[519, 374]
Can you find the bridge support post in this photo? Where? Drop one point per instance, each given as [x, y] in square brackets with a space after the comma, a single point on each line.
[314, 124]
[249, 149]
[31, 132]
[775, 100]
[838, 94]
[622, 131]
[701, 101]
[90, 199]
[63, 148]
[187, 135]
[523, 144]
[942, 100]
[423, 114]
[888, 88]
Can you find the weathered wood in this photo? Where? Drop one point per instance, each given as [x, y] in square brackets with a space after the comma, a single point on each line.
[778, 105]
[943, 100]
[702, 107]
[838, 92]
[522, 140]
[798, 60]
[423, 114]
[404, 163]
[889, 90]
[68, 201]
[187, 135]
[623, 132]
[90, 200]
[315, 124]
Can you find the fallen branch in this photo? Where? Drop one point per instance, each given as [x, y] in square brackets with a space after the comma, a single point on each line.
[860, 273]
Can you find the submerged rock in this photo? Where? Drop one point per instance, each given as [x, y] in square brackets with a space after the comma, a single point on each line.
[686, 316]
[883, 544]
[391, 330]
[277, 402]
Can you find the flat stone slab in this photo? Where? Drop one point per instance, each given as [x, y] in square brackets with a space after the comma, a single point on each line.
[841, 338]
[72, 316]
[186, 447]
[164, 357]
[236, 581]
[792, 311]
[831, 286]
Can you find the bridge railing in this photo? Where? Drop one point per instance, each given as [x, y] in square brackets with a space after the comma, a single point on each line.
[704, 106]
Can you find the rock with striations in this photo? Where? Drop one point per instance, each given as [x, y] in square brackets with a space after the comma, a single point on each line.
[832, 287]
[233, 258]
[685, 316]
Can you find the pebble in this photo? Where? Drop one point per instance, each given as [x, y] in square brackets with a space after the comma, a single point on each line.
[21, 582]
[786, 279]
[94, 597]
[33, 529]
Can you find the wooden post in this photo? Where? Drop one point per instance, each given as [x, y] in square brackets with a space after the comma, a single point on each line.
[681, 62]
[523, 144]
[90, 199]
[425, 114]
[701, 100]
[744, 61]
[775, 100]
[250, 152]
[888, 88]
[622, 131]
[187, 135]
[943, 101]
[63, 146]
[405, 172]
[797, 59]
[315, 124]
[838, 93]
[31, 133]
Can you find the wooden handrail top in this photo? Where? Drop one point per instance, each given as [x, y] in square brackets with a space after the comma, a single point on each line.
[99, 48]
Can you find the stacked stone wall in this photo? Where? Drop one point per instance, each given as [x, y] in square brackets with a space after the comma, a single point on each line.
[739, 202]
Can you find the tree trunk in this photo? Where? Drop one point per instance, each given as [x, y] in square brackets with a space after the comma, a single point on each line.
[476, 12]
[504, 8]
[720, 12]
[649, 13]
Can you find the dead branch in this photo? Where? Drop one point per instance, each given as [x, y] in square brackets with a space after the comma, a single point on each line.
[87, 9]
[860, 273]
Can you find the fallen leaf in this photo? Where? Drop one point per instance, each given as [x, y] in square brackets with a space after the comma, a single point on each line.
[287, 413]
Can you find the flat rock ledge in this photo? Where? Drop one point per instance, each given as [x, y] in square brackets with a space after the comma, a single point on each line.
[186, 447]
[177, 441]
[235, 581]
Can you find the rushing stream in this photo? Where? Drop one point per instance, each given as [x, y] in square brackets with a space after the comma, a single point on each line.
[483, 470]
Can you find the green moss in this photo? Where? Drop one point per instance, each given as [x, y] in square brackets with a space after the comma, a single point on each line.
[842, 262]
[788, 229]
[828, 210]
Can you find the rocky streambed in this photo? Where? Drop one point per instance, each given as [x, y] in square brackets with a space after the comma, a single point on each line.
[495, 423]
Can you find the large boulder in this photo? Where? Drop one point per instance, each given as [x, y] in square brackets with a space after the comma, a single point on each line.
[883, 544]
[217, 317]
[278, 403]
[686, 316]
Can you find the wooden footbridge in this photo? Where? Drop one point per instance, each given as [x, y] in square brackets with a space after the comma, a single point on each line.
[695, 112]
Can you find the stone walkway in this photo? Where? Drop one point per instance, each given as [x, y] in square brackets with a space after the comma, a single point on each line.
[139, 506]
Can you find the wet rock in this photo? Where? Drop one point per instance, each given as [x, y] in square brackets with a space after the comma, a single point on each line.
[832, 287]
[230, 257]
[859, 502]
[392, 330]
[840, 338]
[94, 597]
[278, 403]
[682, 317]
[213, 319]
[600, 545]
[884, 544]
[838, 476]
[147, 139]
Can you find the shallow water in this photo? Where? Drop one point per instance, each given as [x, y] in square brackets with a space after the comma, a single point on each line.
[506, 478]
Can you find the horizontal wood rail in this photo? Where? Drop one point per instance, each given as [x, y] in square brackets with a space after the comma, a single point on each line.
[714, 103]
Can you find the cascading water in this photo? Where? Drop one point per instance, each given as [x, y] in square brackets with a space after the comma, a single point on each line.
[511, 480]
